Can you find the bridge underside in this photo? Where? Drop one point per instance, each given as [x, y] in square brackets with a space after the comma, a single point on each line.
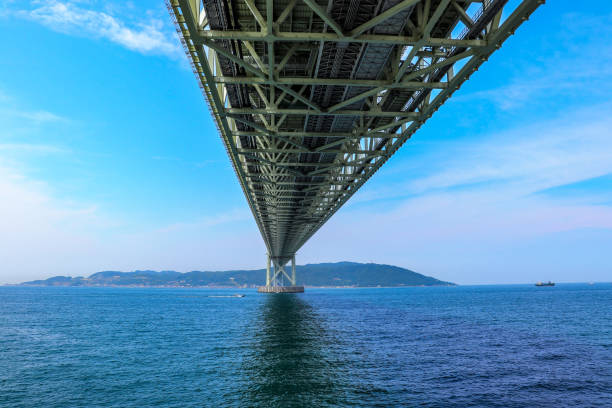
[312, 97]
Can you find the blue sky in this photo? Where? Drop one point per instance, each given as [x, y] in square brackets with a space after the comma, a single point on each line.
[109, 159]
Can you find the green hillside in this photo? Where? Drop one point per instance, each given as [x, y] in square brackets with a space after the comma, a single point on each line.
[324, 274]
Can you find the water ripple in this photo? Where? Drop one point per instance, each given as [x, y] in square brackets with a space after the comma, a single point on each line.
[503, 346]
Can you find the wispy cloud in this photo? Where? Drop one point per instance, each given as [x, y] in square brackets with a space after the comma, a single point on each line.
[522, 161]
[9, 108]
[532, 158]
[225, 218]
[25, 131]
[474, 237]
[475, 208]
[31, 147]
[585, 60]
[35, 116]
[147, 37]
[79, 238]
[198, 164]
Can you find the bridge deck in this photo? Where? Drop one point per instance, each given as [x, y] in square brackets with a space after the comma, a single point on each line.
[312, 97]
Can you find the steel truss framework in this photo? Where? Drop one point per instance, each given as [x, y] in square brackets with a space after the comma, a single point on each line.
[312, 97]
[276, 274]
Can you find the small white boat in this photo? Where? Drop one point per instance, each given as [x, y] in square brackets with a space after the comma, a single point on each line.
[239, 295]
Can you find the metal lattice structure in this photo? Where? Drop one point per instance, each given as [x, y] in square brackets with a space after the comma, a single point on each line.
[312, 97]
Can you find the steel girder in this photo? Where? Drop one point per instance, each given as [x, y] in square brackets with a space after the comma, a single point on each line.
[312, 97]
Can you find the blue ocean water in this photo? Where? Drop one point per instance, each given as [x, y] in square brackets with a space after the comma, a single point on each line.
[473, 346]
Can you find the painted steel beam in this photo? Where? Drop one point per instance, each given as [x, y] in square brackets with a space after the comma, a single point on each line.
[264, 96]
[204, 35]
[299, 151]
[323, 15]
[385, 15]
[328, 81]
[372, 134]
[277, 111]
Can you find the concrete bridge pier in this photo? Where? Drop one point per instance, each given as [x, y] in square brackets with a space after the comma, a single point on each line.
[275, 278]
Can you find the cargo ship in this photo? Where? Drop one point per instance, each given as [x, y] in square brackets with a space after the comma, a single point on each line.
[549, 283]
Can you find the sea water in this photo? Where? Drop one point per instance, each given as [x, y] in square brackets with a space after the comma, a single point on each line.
[471, 346]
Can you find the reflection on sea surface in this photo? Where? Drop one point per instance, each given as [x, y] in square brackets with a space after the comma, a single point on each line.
[287, 364]
[487, 346]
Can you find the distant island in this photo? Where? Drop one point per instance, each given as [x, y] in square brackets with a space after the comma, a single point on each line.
[340, 274]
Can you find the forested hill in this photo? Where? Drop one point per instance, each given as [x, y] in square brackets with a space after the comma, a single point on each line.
[323, 274]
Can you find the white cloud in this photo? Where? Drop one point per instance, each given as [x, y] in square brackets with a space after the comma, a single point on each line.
[531, 159]
[562, 150]
[42, 236]
[474, 215]
[8, 109]
[581, 69]
[150, 37]
[475, 237]
[41, 116]
[34, 116]
[31, 148]
[231, 216]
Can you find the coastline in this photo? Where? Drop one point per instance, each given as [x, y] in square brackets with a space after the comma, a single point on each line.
[217, 287]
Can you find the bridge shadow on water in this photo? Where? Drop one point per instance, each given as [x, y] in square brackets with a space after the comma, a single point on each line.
[288, 363]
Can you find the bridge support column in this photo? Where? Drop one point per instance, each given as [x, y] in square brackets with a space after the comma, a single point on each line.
[275, 278]
[268, 272]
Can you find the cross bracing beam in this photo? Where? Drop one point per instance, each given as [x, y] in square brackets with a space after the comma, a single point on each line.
[365, 135]
[328, 81]
[327, 182]
[311, 101]
[311, 112]
[297, 183]
[284, 164]
[298, 151]
[204, 35]
[385, 15]
[321, 12]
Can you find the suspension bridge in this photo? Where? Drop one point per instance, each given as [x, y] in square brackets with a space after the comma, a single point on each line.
[312, 97]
